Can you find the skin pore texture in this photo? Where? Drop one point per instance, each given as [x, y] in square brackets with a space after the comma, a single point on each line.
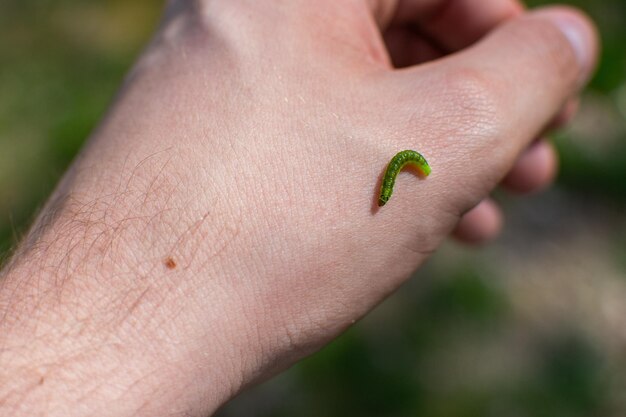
[211, 233]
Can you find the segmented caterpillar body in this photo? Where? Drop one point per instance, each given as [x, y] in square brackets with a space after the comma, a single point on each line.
[396, 164]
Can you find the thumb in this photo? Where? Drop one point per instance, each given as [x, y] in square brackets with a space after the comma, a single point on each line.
[501, 93]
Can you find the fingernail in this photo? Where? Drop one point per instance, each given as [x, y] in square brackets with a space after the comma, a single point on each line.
[580, 37]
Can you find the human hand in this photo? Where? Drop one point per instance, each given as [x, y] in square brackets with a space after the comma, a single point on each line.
[221, 222]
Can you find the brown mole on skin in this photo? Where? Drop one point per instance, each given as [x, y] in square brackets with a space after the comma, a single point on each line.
[170, 263]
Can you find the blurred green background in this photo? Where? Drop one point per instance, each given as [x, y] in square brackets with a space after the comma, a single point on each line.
[534, 325]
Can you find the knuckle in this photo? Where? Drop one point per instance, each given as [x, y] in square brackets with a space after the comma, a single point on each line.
[473, 101]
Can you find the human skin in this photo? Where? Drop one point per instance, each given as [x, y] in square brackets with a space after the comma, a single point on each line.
[221, 222]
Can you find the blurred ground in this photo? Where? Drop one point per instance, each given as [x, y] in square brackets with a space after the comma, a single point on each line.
[534, 325]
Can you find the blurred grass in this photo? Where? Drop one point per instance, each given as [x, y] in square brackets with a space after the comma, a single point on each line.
[62, 62]
[453, 343]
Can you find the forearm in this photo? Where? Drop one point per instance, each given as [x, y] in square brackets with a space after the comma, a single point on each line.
[89, 320]
[121, 297]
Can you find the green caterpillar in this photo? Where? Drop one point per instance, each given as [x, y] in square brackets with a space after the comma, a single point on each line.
[396, 164]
